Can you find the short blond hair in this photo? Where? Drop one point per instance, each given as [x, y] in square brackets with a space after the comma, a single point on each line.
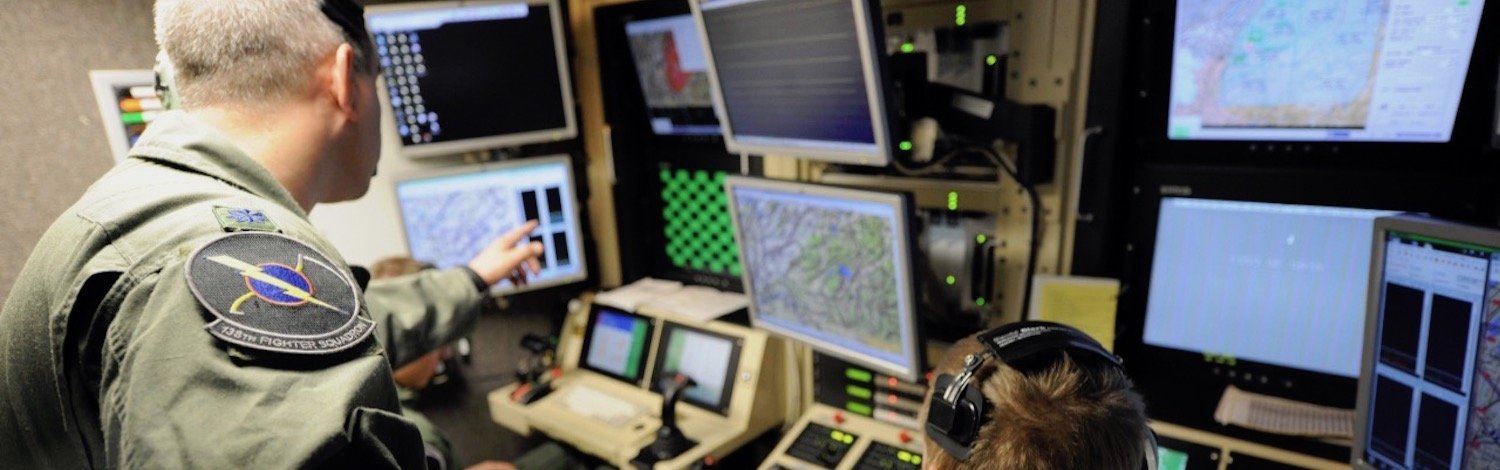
[1077, 413]
[248, 51]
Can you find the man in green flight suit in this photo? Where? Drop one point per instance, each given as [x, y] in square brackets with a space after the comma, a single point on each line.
[185, 313]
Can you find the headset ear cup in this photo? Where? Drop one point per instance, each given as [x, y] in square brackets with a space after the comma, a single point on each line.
[1150, 451]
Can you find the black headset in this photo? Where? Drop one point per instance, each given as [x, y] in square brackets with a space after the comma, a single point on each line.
[959, 408]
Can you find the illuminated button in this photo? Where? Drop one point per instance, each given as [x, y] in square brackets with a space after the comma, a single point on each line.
[904, 456]
[838, 417]
[904, 437]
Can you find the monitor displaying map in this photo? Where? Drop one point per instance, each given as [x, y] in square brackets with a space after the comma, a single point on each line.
[830, 267]
[674, 75]
[1432, 361]
[450, 217]
[1320, 70]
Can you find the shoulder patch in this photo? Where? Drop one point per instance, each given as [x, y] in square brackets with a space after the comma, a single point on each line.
[235, 219]
[273, 293]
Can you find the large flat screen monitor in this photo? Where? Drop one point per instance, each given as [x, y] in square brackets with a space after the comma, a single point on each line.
[451, 216]
[1428, 390]
[1278, 284]
[1327, 70]
[831, 267]
[710, 359]
[673, 74]
[616, 344]
[800, 78]
[463, 76]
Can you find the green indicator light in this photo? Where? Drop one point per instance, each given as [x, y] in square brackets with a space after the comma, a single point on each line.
[859, 375]
[981, 239]
[858, 392]
[960, 15]
[979, 301]
[904, 456]
[666, 175]
[907, 47]
[951, 280]
[906, 145]
[952, 200]
[991, 59]
[848, 439]
[916, 459]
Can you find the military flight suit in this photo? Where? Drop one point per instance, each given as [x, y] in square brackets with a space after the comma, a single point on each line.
[105, 355]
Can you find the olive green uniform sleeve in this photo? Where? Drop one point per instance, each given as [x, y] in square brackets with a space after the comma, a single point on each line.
[417, 313]
[174, 397]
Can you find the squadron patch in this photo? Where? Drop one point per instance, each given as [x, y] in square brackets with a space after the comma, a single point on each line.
[274, 293]
[235, 219]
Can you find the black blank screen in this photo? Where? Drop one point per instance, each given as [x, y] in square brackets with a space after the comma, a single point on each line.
[1402, 327]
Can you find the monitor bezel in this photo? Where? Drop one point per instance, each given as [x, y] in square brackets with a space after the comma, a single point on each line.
[437, 149]
[588, 341]
[575, 216]
[1152, 95]
[726, 395]
[902, 203]
[868, 26]
[1187, 380]
[1410, 224]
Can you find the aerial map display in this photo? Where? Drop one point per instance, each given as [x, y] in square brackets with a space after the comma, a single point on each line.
[1380, 70]
[450, 218]
[441, 228]
[669, 59]
[824, 268]
[1483, 448]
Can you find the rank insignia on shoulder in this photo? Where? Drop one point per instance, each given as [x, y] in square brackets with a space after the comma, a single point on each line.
[234, 219]
[273, 293]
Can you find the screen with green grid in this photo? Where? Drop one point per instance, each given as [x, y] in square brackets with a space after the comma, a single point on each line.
[699, 235]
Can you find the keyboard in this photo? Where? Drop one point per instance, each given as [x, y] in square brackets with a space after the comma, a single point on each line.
[604, 407]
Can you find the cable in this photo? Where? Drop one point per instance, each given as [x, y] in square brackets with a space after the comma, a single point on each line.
[1008, 166]
[1036, 222]
[930, 167]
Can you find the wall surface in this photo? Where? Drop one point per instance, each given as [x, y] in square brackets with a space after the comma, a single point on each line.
[54, 145]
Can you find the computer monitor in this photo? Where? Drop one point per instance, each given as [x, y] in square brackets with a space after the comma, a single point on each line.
[710, 359]
[673, 74]
[1428, 390]
[801, 78]
[1319, 71]
[616, 344]
[831, 267]
[452, 215]
[464, 76]
[1278, 284]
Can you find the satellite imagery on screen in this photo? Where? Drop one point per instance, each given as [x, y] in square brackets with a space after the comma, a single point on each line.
[669, 78]
[1277, 63]
[828, 269]
[443, 228]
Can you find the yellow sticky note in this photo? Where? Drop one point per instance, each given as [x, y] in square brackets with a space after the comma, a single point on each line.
[1086, 303]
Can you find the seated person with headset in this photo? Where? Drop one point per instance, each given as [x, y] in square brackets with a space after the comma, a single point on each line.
[1035, 395]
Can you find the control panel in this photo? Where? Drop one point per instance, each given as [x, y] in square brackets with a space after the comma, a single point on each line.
[887, 457]
[860, 391]
[833, 438]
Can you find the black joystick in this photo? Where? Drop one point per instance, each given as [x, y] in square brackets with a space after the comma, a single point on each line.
[670, 442]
